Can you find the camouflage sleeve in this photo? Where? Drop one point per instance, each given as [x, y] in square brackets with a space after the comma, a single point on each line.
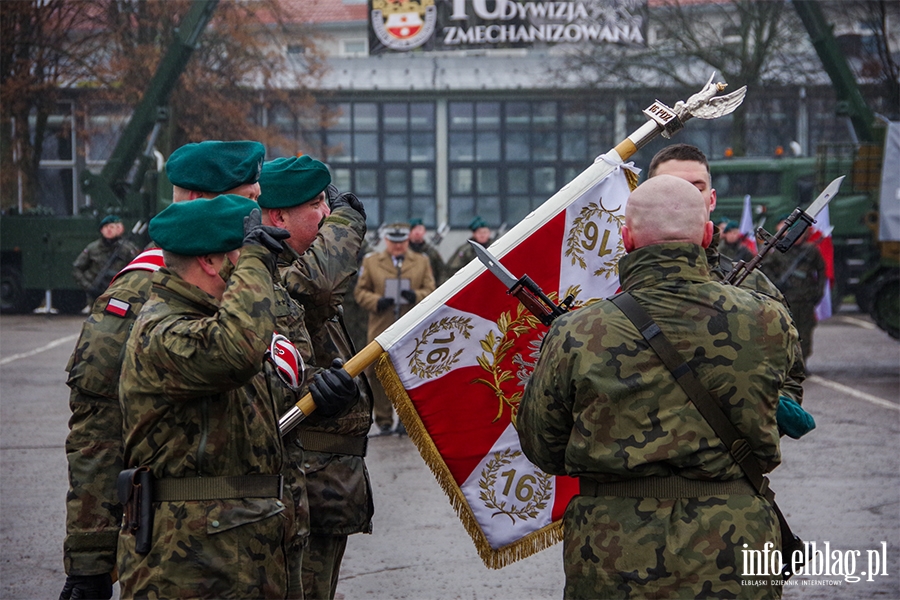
[93, 512]
[364, 293]
[219, 353]
[545, 415]
[80, 268]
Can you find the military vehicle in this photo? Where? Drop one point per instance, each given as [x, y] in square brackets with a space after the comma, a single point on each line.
[37, 251]
[866, 266]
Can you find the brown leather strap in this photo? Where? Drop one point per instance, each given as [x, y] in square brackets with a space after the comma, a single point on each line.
[332, 443]
[673, 486]
[217, 488]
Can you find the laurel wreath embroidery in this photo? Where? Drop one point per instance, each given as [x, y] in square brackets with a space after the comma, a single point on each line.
[575, 247]
[539, 495]
[439, 360]
[496, 349]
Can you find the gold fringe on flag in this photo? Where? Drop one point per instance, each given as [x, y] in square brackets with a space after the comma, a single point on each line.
[493, 558]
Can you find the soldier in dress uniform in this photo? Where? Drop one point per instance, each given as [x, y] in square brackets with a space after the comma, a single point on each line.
[601, 406]
[463, 255]
[400, 266]
[94, 443]
[316, 267]
[417, 243]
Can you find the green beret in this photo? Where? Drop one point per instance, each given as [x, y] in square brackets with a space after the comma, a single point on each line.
[199, 227]
[215, 167]
[731, 226]
[109, 219]
[477, 223]
[414, 222]
[287, 182]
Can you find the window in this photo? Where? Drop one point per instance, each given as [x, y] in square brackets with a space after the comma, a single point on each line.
[56, 176]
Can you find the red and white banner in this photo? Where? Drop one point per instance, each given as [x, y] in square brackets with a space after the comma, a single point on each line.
[821, 235]
[747, 228]
[457, 374]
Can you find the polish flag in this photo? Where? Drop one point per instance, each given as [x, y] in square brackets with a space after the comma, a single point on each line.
[821, 235]
[747, 228]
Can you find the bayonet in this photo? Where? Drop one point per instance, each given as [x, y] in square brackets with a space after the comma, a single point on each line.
[794, 227]
[524, 288]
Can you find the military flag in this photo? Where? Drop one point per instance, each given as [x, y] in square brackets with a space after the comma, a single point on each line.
[456, 365]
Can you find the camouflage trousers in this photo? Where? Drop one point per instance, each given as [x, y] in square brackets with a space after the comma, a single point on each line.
[322, 565]
[210, 549]
[676, 548]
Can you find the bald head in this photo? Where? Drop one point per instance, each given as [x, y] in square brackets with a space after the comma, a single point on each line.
[664, 209]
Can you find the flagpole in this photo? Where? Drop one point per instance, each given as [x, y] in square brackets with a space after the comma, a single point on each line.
[661, 120]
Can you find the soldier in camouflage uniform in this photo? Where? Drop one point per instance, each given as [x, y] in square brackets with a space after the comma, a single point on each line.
[317, 267]
[601, 406]
[731, 243]
[800, 275]
[463, 255]
[200, 338]
[689, 163]
[102, 258]
[94, 444]
[418, 244]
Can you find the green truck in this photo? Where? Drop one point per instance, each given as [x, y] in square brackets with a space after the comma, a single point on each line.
[37, 250]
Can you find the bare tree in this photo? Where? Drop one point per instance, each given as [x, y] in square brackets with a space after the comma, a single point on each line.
[107, 50]
[38, 56]
[747, 42]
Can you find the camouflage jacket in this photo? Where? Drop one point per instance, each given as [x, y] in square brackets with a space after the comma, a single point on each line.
[94, 443]
[96, 255]
[187, 413]
[757, 281]
[338, 488]
[438, 268]
[600, 403]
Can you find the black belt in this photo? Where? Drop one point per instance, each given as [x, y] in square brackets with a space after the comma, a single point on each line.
[332, 443]
[673, 486]
[176, 489]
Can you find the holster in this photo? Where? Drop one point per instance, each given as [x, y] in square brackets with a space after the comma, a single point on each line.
[135, 489]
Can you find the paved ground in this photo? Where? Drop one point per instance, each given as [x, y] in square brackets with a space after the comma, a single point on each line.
[839, 484]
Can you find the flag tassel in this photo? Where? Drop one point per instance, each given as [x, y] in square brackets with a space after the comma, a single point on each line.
[492, 558]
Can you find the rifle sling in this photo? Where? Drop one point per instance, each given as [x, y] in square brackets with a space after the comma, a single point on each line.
[704, 402]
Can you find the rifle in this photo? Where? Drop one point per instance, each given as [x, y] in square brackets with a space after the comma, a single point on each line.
[105, 275]
[537, 303]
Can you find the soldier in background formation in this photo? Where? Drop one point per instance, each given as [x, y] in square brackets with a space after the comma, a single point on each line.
[732, 244]
[601, 406]
[417, 243]
[316, 267]
[102, 258]
[800, 275]
[463, 255]
[94, 443]
[410, 274]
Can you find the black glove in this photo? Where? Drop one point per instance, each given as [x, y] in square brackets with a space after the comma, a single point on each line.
[337, 200]
[257, 234]
[87, 587]
[333, 390]
[384, 303]
[409, 296]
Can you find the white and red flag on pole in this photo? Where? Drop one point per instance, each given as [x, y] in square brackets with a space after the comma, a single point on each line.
[456, 374]
[821, 236]
[747, 228]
